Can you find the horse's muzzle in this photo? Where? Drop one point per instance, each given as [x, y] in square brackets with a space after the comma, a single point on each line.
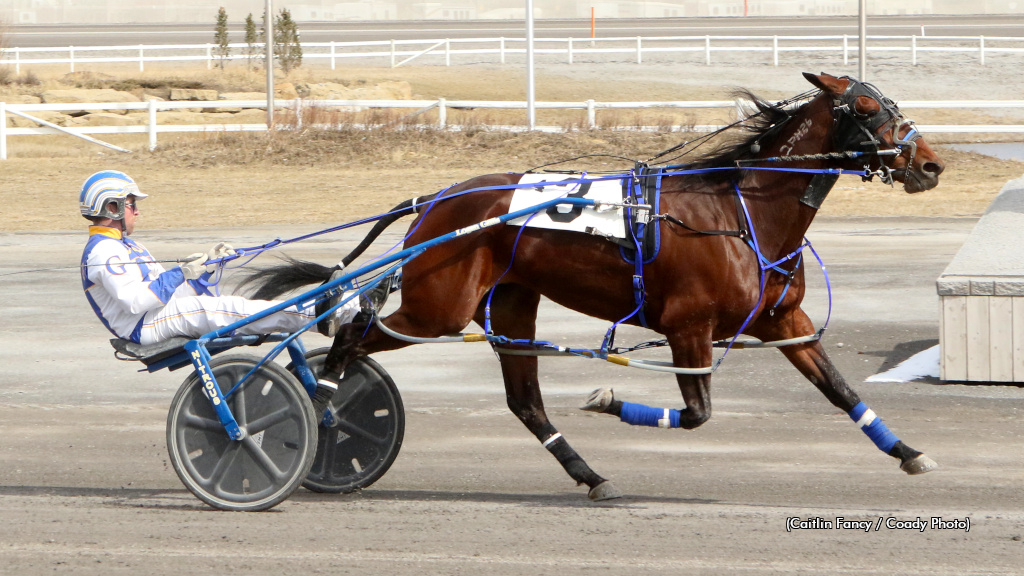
[924, 177]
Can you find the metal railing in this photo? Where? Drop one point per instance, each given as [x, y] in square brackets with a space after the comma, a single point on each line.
[152, 127]
[572, 50]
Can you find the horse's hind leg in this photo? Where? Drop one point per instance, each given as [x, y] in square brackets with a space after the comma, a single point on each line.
[810, 359]
[514, 314]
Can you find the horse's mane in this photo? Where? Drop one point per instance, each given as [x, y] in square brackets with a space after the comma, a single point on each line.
[761, 128]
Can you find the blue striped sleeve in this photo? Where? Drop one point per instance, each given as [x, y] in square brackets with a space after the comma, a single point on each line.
[166, 283]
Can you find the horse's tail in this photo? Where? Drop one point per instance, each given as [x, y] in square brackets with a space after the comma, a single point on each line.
[411, 206]
[270, 283]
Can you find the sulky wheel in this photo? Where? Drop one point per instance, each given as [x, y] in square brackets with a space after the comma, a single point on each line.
[370, 426]
[268, 464]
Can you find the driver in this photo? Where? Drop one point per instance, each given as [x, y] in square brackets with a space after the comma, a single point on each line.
[138, 300]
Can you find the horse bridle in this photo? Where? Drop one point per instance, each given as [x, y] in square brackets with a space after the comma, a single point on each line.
[864, 134]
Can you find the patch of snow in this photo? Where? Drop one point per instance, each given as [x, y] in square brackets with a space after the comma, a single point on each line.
[920, 365]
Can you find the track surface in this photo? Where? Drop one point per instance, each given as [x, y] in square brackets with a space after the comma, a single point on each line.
[85, 485]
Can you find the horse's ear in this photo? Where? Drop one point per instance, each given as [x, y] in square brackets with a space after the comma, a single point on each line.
[826, 82]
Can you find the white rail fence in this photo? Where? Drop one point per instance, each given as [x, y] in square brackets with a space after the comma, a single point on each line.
[572, 50]
[152, 128]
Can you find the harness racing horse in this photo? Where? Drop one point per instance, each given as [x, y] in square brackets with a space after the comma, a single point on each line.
[702, 287]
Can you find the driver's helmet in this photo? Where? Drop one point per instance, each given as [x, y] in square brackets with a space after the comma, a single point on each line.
[103, 188]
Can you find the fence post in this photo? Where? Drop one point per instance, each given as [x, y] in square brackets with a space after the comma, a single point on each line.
[209, 56]
[392, 53]
[447, 52]
[570, 50]
[501, 48]
[332, 54]
[913, 50]
[707, 50]
[142, 67]
[591, 115]
[298, 113]
[639, 56]
[981, 50]
[71, 50]
[846, 50]
[151, 108]
[17, 62]
[3, 130]
[442, 113]
[775, 50]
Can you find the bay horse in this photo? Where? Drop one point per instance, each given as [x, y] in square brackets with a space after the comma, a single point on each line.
[701, 287]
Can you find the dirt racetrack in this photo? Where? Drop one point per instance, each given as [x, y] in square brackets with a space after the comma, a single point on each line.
[86, 488]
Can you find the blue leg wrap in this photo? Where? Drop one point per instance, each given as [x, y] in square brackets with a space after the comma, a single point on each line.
[640, 415]
[873, 426]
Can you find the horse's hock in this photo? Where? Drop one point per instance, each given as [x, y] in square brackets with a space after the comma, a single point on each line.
[981, 297]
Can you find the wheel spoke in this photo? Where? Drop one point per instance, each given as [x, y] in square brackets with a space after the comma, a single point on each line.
[198, 422]
[224, 464]
[238, 398]
[264, 422]
[358, 390]
[355, 430]
[262, 460]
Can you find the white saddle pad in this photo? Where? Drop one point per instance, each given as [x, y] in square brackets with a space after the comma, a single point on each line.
[608, 222]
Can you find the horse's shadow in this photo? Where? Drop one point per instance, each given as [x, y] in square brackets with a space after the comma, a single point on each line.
[181, 499]
[558, 500]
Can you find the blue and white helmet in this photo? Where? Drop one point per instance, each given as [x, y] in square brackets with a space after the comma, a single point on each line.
[103, 188]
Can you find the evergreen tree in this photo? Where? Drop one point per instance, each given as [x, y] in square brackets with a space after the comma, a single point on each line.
[220, 37]
[287, 47]
[252, 38]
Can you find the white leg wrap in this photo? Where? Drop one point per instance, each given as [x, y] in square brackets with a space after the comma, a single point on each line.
[552, 438]
[867, 418]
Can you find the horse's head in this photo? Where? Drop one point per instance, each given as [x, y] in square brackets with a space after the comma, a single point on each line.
[866, 121]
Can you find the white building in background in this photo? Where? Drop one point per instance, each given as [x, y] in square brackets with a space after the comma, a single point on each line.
[366, 10]
[192, 11]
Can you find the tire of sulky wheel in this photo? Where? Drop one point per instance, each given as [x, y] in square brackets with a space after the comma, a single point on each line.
[363, 446]
[269, 463]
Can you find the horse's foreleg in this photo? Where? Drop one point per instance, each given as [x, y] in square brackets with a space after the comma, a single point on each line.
[514, 314]
[810, 359]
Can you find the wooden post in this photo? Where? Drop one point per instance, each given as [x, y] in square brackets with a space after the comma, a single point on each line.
[151, 129]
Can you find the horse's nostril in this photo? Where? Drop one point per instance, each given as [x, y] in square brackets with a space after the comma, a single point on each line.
[934, 168]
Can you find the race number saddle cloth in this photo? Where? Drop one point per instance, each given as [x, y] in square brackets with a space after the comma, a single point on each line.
[615, 224]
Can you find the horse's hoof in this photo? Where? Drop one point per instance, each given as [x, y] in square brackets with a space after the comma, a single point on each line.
[919, 465]
[599, 401]
[604, 491]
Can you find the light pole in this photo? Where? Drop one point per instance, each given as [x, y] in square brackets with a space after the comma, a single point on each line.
[531, 112]
[863, 52]
[270, 63]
